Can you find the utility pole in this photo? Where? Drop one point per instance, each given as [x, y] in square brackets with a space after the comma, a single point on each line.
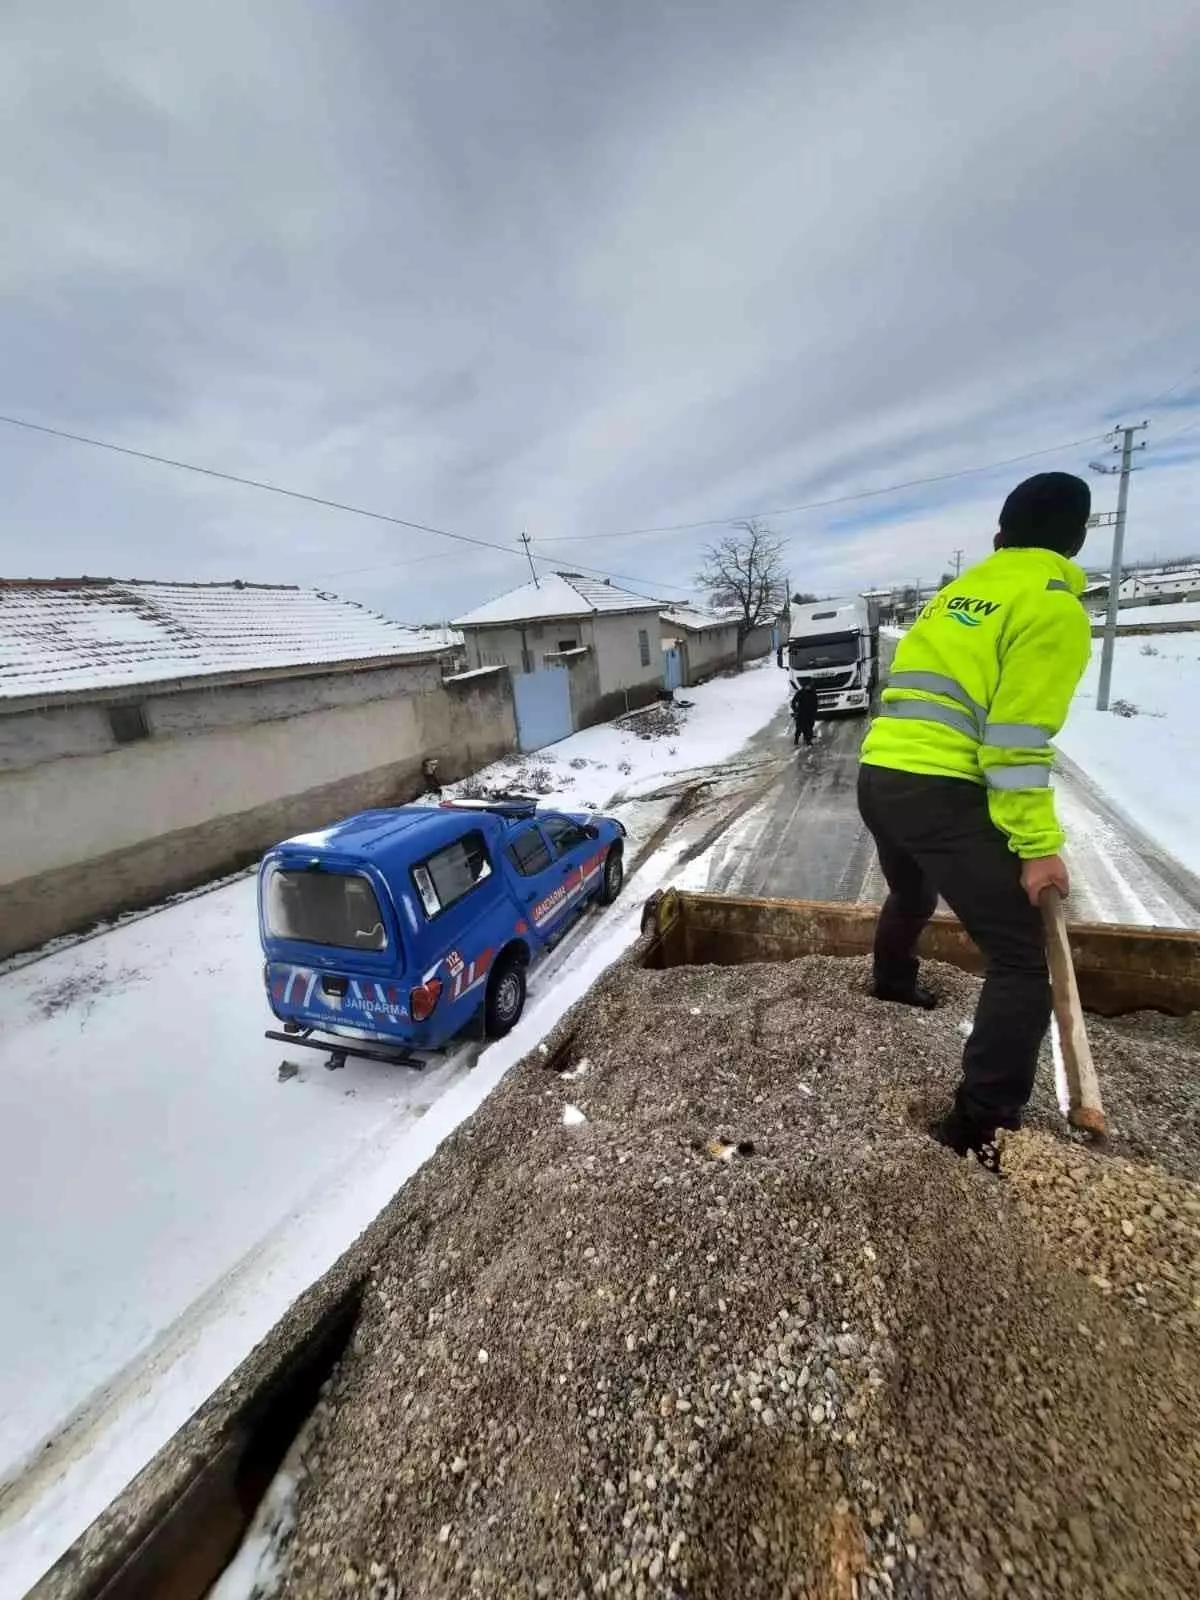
[529, 558]
[958, 555]
[1126, 448]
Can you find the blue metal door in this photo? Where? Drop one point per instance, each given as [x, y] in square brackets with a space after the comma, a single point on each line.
[673, 668]
[543, 705]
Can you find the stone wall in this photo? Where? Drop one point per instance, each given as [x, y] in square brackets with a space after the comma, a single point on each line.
[89, 835]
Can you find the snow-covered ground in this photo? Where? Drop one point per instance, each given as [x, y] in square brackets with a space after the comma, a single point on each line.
[167, 1197]
[611, 764]
[1148, 764]
[1177, 611]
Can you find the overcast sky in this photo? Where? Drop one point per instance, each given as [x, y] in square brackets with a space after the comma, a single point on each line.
[585, 268]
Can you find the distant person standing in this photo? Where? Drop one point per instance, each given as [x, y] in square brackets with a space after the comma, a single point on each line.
[955, 787]
[804, 713]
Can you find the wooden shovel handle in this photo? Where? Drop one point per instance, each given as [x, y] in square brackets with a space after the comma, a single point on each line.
[1083, 1087]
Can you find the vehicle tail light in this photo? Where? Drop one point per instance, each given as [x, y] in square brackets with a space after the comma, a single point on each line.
[422, 1001]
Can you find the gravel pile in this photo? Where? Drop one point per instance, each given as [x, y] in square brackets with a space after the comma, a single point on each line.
[707, 1314]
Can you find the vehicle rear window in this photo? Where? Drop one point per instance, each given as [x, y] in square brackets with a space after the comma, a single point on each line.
[333, 908]
[529, 853]
[452, 873]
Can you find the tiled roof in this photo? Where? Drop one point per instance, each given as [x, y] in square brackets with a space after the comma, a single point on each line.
[558, 594]
[696, 621]
[72, 636]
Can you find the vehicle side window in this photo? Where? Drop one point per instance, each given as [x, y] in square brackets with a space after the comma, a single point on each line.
[451, 873]
[563, 834]
[529, 853]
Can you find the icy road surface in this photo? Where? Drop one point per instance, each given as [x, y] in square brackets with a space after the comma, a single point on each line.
[804, 840]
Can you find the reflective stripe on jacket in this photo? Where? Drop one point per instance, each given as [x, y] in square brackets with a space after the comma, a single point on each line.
[982, 682]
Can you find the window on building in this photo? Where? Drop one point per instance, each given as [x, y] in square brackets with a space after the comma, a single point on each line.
[529, 853]
[452, 873]
[644, 646]
[568, 644]
[128, 723]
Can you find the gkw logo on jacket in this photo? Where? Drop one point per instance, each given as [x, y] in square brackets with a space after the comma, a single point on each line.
[964, 610]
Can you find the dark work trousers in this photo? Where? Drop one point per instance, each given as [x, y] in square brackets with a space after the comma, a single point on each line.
[935, 837]
[805, 728]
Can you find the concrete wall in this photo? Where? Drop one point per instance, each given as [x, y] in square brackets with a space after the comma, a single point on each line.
[1145, 629]
[612, 678]
[91, 833]
[585, 689]
[624, 682]
[28, 738]
[494, 647]
[758, 643]
[706, 651]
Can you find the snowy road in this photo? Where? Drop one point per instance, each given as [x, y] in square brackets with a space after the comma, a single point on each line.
[804, 841]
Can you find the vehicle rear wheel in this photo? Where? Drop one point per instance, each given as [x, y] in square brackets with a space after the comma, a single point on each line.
[505, 999]
[614, 876]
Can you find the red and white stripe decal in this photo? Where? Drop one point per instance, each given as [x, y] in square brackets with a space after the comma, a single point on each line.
[300, 986]
[573, 885]
[471, 975]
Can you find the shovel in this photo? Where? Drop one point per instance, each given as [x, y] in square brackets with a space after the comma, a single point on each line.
[1084, 1109]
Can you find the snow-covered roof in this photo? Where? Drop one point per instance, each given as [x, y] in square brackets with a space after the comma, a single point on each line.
[696, 621]
[558, 594]
[81, 635]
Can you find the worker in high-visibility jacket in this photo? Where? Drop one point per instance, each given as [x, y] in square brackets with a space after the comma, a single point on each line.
[955, 787]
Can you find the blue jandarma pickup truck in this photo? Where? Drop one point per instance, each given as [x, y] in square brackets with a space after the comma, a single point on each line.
[400, 927]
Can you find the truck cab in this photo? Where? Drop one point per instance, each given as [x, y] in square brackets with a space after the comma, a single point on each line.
[403, 925]
[834, 645]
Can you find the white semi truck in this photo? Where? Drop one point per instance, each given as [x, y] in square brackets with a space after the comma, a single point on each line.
[834, 645]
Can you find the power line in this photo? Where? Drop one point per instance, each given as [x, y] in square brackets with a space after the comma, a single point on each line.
[836, 500]
[248, 483]
[307, 499]
[1187, 428]
[1167, 393]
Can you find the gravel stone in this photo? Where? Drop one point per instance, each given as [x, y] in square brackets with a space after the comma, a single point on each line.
[845, 1364]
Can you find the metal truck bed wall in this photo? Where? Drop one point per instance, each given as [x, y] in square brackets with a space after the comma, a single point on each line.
[1120, 969]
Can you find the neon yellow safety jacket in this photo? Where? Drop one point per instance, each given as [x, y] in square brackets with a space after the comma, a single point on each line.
[981, 683]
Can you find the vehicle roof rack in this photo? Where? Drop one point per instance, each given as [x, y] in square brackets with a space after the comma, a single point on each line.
[515, 806]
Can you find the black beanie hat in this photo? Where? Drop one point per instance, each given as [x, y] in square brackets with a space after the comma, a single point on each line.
[1048, 511]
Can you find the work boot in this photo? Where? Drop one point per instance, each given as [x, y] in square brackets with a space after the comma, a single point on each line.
[914, 994]
[966, 1137]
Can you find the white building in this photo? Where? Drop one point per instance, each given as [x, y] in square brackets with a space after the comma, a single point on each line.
[607, 638]
[707, 642]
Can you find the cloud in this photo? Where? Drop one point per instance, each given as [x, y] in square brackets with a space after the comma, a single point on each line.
[531, 266]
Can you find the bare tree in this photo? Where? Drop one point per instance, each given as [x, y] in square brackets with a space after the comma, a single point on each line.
[743, 573]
